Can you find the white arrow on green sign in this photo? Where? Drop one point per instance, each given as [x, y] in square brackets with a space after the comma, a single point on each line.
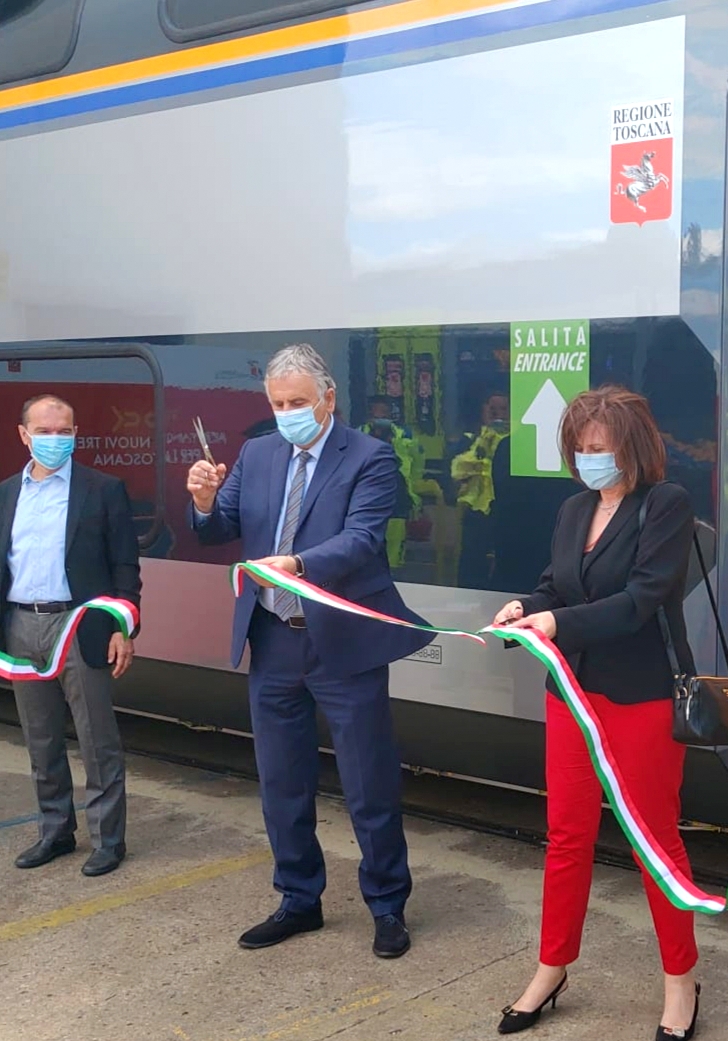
[549, 366]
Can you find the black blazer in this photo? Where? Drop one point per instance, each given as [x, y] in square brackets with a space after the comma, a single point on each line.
[605, 601]
[102, 552]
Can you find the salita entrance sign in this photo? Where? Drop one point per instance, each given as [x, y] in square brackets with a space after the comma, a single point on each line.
[549, 366]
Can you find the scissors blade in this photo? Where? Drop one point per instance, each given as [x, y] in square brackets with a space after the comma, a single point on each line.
[202, 438]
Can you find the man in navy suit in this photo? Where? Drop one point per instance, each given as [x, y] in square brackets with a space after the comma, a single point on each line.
[314, 499]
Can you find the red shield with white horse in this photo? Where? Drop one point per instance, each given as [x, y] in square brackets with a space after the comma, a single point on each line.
[642, 181]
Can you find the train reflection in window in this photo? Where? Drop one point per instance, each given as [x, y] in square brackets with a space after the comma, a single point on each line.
[440, 396]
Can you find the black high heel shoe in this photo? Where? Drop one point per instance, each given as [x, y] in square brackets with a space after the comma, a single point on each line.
[665, 1033]
[514, 1021]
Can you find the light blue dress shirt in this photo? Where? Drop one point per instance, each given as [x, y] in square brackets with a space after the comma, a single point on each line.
[37, 554]
[266, 595]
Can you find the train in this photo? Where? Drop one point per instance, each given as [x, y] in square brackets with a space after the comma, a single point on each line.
[474, 209]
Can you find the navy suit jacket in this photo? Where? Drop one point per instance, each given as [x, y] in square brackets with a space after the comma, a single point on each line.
[340, 538]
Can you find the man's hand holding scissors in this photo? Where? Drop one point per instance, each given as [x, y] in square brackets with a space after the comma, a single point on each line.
[203, 481]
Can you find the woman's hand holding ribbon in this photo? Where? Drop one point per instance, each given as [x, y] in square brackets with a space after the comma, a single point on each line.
[544, 621]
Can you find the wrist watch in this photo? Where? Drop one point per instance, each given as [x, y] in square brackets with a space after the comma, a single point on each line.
[300, 569]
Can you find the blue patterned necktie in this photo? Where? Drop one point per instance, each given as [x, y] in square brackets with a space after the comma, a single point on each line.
[286, 605]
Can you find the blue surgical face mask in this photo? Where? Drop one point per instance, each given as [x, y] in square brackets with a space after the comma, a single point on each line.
[598, 470]
[299, 425]
[52, 450]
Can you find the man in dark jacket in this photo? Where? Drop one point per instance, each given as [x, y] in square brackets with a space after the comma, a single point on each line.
[66, 536]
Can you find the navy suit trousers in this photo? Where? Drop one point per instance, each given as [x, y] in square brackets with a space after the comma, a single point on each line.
[287, 684]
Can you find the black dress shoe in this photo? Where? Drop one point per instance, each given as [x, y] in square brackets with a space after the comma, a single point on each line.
[666, 1033]
[514, 1022]
[391, 938]
[280, 926]
[43, 852]
[104, 860]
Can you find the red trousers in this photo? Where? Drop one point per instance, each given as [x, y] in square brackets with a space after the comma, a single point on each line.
[651, 764]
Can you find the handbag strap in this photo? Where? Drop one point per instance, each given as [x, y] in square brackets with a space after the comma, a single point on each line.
[661, 615]
[677, 672]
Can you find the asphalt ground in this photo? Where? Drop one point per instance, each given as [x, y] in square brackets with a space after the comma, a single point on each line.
[149, 952]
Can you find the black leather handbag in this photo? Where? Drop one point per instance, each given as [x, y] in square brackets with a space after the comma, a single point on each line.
[700, 703]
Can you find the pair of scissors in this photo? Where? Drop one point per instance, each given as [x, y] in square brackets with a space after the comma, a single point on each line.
[202, 438]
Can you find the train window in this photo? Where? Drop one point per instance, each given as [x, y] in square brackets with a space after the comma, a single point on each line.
[37, 37]
[185, 20]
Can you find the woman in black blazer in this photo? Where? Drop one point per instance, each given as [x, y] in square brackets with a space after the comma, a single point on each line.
[598, 601]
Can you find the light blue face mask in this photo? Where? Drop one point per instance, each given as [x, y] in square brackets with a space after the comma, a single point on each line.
[299, 425]
[52, 450]
[597, 470]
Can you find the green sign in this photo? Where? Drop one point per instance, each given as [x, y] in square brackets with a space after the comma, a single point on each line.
[549, 366]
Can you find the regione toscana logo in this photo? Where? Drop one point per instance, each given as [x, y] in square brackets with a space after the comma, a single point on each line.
[642, 151]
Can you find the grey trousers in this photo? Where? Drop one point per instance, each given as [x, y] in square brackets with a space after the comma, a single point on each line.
[41, 707]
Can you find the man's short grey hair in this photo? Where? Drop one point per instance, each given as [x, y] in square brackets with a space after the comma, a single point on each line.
[300, 359]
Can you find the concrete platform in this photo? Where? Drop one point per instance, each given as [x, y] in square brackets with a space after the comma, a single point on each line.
[149, 953]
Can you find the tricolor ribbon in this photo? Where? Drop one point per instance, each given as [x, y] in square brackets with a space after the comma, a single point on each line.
[122, 611]
[300, 587]
[676, 886]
